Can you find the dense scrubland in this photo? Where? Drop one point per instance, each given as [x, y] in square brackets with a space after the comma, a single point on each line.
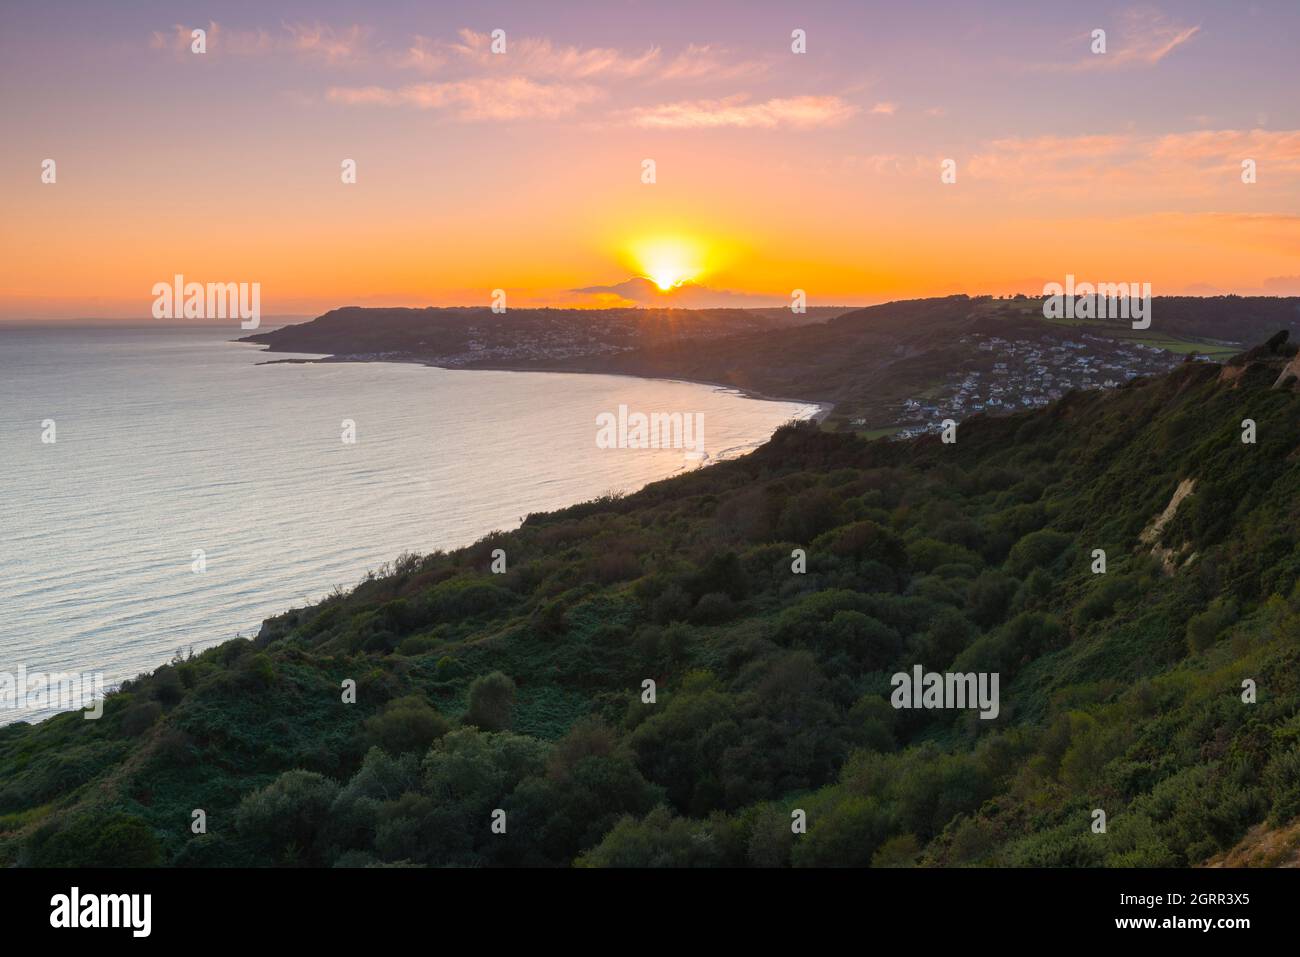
[523, 691]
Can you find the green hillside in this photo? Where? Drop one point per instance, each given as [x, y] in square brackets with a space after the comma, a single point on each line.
[523, 691]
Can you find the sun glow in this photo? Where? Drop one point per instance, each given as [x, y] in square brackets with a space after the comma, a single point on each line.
[668, 261]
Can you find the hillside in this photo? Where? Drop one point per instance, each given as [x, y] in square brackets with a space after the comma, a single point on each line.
[524, 691]
[474, 336]
[870, 363]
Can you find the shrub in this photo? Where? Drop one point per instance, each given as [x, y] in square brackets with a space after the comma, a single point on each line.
[658, 840]
[100, 839]
[713, 608]
[988, 597]
[1202, 629]
[902, 850]
[491, 702]
[1037, 550]
[140, 716]
[550, 619]
[406, 724]
[287, 816]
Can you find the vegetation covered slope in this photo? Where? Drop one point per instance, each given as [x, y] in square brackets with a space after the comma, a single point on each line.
[874, 357]
[523, 692]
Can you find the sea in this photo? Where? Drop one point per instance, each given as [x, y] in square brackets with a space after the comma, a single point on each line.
[164, 488]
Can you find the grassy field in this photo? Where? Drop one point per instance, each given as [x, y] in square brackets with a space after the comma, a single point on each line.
[878, 433]
[1179, 344]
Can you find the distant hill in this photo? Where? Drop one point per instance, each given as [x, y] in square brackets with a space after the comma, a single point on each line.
[848, 354]
[869, 362]
[459, 336]
[657, 680]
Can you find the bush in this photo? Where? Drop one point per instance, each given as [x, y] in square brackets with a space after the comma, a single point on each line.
[550, 619]
[406, 724]
[901, 850]
[491, 702]
[713, 608]
[658, 840]
[166, 686]
[988, 597]
[869, 643]
[1282, 777]
[1037, 550]
[847, 835]
[108, 839]
[140, 716]
[286, 817]
[1202, 629]
[1101, 599]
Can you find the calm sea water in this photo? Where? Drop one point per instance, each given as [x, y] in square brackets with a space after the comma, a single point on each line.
[172, 439]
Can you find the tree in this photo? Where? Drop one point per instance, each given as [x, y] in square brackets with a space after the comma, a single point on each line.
[288, 814]
[406, 724]
[96, 839]
[659, 840]
[1202, 629]
[491, 702]
[987, 597]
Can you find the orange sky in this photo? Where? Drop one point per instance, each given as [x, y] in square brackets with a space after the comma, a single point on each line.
[523, 171]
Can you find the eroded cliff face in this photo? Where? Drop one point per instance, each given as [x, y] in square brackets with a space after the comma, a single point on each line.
[1290, 375]
[1169, 557]
[1278, 356]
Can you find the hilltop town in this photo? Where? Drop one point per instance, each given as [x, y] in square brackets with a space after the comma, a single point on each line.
[1010, 374]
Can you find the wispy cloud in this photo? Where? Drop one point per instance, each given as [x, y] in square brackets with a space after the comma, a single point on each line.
[327, 43]
[1192, 162]
[1129, 167]
[483, 98]
[540, 57]
[534, 77]
[308, 40]
[423, 55]
[1275, 150]
[707, 62]
[217, 40]
[885, 109]
[1282, 285]
[639, 291]
[1143, 37]
[736, 111]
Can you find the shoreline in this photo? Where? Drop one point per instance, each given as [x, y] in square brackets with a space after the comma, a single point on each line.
[317, 594]
[824, 409]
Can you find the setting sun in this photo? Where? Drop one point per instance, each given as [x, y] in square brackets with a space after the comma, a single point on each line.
[668, 262]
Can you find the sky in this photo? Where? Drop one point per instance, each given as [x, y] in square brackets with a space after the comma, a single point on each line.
[525, 170]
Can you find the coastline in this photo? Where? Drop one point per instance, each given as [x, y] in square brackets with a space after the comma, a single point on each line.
[823, 408]
[312, 592]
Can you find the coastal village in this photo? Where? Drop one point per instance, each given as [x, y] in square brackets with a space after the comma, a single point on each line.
[991, 359]
[1014, 374]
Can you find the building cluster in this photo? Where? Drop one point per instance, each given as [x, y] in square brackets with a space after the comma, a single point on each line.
[533, 335]
[1008, 375]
